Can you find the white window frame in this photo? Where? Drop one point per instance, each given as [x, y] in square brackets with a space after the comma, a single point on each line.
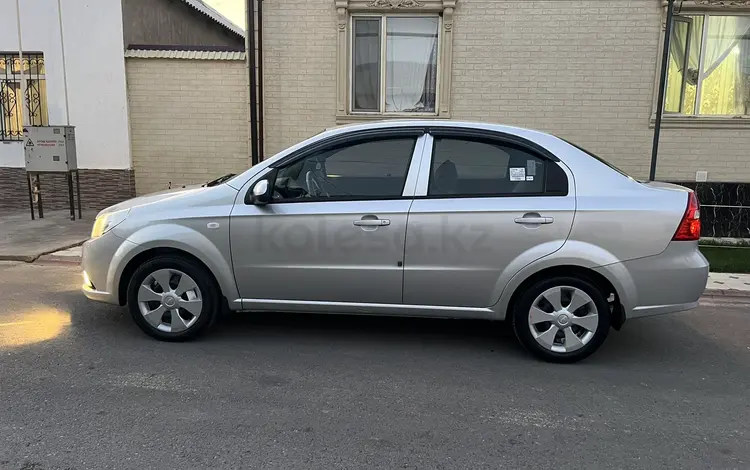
[384, 65]
[347, 10]
[705, 8]
[686, 61]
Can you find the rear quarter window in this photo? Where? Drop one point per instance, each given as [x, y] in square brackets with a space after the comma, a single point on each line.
[598, 158]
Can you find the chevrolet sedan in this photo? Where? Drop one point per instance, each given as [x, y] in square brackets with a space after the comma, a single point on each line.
[413, 218]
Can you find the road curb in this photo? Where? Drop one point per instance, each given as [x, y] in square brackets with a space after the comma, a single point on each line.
[727, 293]
[50, 259]
[23, 258]
[34, 257]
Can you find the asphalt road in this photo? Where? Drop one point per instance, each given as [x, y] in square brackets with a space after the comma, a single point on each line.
[82, 388]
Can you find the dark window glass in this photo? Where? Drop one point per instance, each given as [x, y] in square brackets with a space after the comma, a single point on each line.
[477, 168]
[557, 180]
[367, 170]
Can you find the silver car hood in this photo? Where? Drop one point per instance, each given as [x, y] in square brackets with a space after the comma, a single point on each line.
[155, 197]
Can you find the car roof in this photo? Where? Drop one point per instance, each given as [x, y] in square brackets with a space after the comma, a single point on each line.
[396, 123]
[573, 158]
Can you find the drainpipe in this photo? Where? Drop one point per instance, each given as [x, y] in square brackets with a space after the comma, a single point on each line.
[261, 152]
[64, 69]
[25, 115]
[252, 83]
[662, 88]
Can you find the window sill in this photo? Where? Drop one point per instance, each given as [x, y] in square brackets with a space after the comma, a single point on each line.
[362, 118]
[702, 122]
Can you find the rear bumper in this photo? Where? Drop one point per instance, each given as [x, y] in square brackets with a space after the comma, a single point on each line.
[652, 310]
[671, 281]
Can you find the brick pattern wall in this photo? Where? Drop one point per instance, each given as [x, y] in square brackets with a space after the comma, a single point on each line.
[299, 67]
[188, 120]
[99, 189]
[582, 69]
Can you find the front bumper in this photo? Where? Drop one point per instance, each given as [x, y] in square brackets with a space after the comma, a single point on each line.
[98, 295]
[99, 260]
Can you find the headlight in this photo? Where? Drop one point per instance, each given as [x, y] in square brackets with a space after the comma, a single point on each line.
[106, 222]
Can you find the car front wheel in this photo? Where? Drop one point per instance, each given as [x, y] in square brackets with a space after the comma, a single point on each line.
[172, 298]
[562, 319]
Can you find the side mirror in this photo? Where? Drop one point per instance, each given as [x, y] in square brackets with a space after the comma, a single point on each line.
[261, 193]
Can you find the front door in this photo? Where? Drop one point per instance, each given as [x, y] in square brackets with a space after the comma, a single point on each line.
[335, 229]
[490, 207]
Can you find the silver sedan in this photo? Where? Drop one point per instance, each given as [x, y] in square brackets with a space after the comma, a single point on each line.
[416, 218]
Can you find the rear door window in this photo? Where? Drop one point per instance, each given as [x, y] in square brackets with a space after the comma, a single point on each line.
[465, 167]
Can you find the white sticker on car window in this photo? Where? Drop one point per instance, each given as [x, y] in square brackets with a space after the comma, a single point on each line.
[531, 167]
[518, 174]
[529, 178]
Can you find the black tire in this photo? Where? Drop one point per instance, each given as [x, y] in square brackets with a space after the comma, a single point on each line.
[522, 307]
[210, 293]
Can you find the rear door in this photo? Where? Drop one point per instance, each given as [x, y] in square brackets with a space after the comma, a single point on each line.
[485, 206]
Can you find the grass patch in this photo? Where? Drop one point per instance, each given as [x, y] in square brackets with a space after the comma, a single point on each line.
[727, 259]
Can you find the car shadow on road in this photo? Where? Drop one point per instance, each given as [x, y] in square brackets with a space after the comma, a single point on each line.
[364, 329]
[654, 342]
[657, 342]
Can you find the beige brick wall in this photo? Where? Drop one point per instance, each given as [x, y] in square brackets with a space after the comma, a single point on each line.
[582, 69]
[299, 49]
[188, 120]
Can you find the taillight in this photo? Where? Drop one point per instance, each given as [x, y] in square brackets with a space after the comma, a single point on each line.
[690, 226]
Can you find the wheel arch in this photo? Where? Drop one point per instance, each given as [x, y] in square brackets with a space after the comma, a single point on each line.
[581, 272]
[144, 256]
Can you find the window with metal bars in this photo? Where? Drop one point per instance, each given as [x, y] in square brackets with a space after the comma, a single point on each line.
[16, 113]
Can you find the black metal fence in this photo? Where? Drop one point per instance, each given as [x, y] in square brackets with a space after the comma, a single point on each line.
[13, 113]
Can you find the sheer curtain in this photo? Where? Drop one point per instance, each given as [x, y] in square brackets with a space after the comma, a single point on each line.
[411, 52]
[678, 45]
[677, 75]
[366, 65]
[724, 84]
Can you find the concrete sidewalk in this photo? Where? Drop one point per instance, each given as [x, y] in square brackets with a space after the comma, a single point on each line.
[23, 239]
[728, 284]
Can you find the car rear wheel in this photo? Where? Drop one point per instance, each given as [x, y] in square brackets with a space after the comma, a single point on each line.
[173, 299]
[562, 319]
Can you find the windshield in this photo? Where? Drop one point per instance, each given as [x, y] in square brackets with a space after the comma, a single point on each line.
[597, 157]
[221, 179]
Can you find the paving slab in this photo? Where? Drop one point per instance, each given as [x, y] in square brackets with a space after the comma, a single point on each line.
[23, 239]
[730, 284]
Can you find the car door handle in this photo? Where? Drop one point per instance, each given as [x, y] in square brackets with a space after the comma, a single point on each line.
[372, 222]
[534, 220]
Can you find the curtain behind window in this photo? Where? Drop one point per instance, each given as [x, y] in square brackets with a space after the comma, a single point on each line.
[725, 86]
[411, 51]
[366, 65]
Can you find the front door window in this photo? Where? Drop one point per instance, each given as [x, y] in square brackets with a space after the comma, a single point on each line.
[366, 170]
